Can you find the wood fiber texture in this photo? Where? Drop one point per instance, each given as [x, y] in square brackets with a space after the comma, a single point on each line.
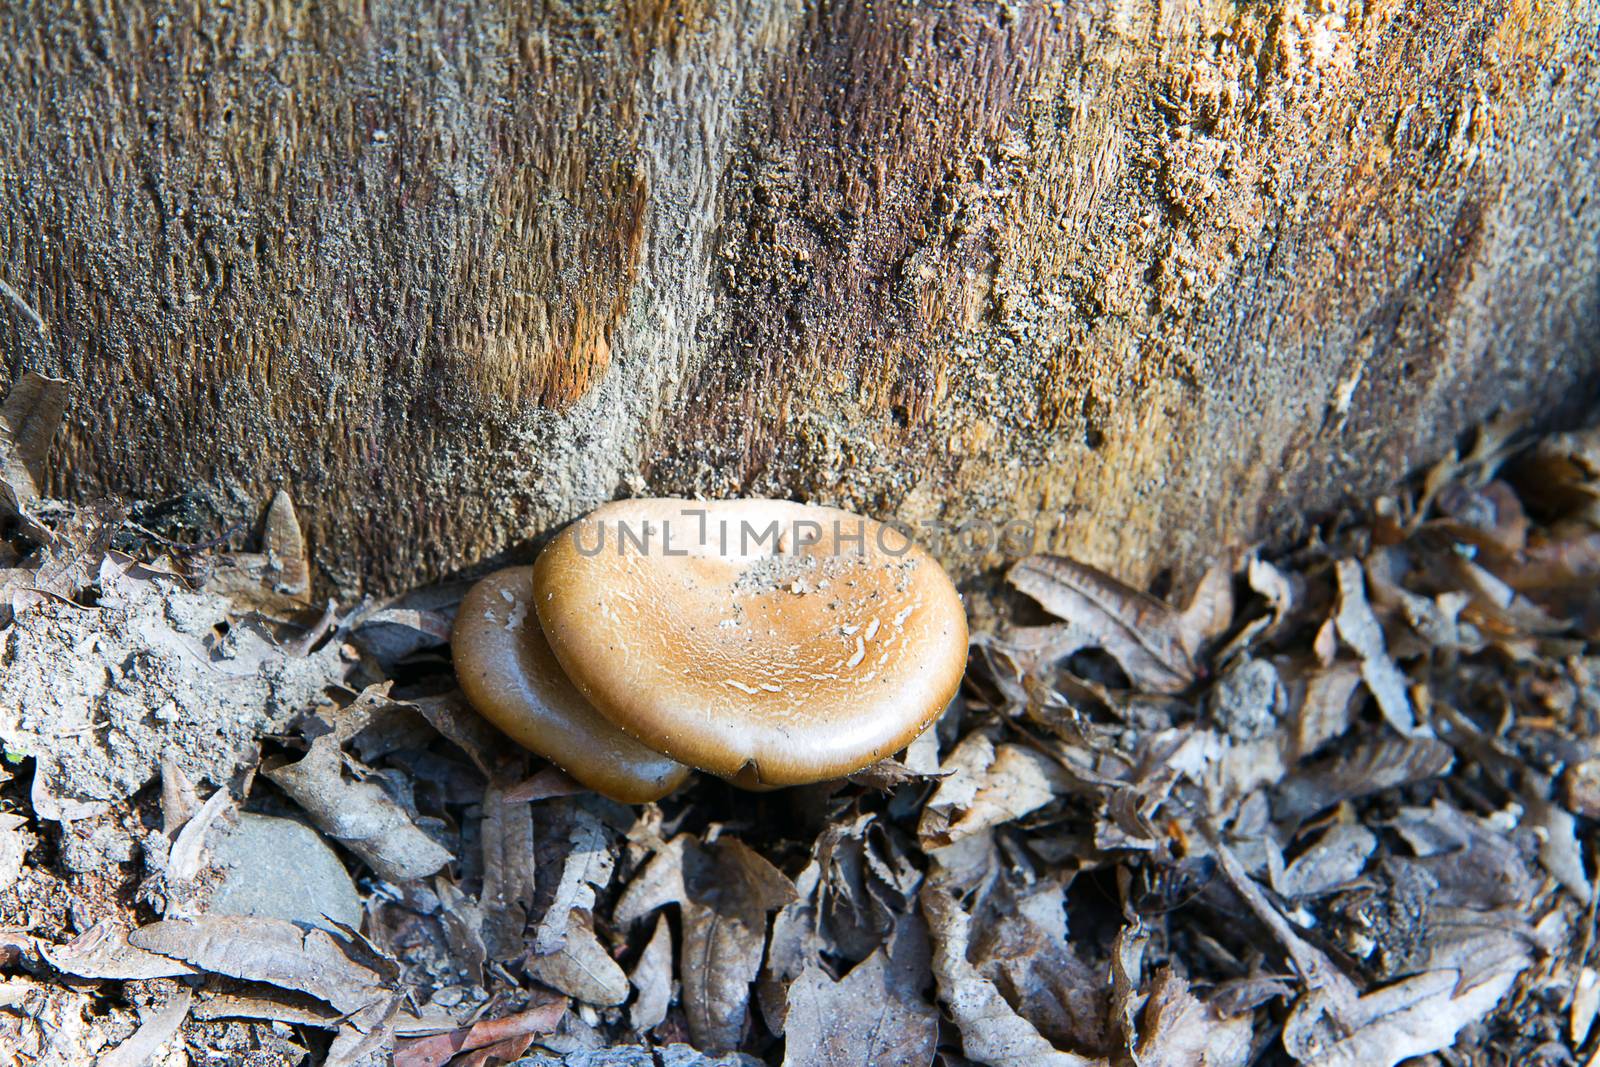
[1160, 275]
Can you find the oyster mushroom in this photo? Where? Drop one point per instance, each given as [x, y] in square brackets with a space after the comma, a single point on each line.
[767, 642]
[505, 667]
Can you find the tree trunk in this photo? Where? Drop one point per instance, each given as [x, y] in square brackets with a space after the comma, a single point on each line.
[1163, 273]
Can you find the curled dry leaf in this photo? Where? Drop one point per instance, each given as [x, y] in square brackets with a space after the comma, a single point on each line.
[986, 786]
[103, 951]
[588, 866]
[360, 815]
[1359, 629]
[29, 418]
[437, 1049]
[273, 1005]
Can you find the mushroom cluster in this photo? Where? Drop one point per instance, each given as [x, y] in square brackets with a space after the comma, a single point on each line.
[767, 642]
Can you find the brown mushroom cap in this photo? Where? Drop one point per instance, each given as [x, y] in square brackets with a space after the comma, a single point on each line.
[505, 667]
[731, 644]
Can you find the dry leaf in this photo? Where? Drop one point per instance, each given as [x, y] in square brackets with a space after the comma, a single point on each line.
[273, 951]
[1359, 628]
[991, 1032]
[1372, 766]
[187, 854]
[548, 783]
[1411, 1018]
[652, 980]
[587, 867]
[360, 815]
[1147, 637]
[153, 1033]
[726, 893]
[1025, 951]
[13, 849]
[1337, 857]
[438, 1049]
[29, 418]
[1316, 970]
[273, 1005]
[875, 1015]
[986, 786]
[581, 967]
[276, 580]
[1177, 1030]
[889, 774]
[103, 951]
[508, 872]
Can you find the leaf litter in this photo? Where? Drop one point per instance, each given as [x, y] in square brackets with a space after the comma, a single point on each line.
[1340, 809]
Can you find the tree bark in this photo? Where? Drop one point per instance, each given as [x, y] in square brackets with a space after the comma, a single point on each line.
[1162, 273]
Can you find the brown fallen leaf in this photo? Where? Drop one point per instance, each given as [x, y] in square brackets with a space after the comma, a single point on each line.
[272, 1005]
[438, 1049]
[875, 1015]
[652, 979]
[276, 580]
[185, 859]
[986, 786]
[153, 1033]
[458, 723]
[103, 951]
[586, 868]
[1359, 628]
[29, 418]
[545, 784]
[992, 1032]
[1025, 950]
[725, 892]
[1373, 765]
[889, 774]
[581, 967]
[1154, 643]
[463, 922]
[360, 815]
[273, 951]
[508, 872]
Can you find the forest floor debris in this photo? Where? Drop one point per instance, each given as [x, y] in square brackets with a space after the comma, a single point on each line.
[1340, 809]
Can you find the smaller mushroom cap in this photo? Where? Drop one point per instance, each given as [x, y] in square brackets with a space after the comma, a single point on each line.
[768, 642]
[505, 667]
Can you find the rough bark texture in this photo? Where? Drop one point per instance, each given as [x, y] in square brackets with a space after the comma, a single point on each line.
[1161, 273]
